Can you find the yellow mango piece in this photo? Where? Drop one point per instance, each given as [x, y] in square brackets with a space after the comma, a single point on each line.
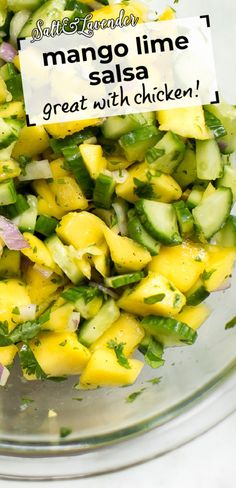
[210, 189]
[154, 294]
[16, 62]
[32, 141]
[103, 369]
[4, 93]
[101, 262]
[12, 109]
[60, 353]
[112, 11]
[59, 318]
[81, 229]
[9, 263]
[38, 252]
[194, 316]
[164, 187]
[58, 168]
[181, 264]
[168, 14]
[93, 159]
[219, 266]
[9, 169]
[68, 194]
[13, 293]
[39, 287]
[7, 354]
[68, 128]
[126, 329]
[186, 122]
[126, 253]
[46, 200]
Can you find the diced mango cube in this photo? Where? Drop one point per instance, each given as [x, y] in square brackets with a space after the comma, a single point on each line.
[154, 294]
[59, 353]
[181, 264]
[186, 122]
[32, 141]
[81, 229]
[219, 266]
[126, 253]
[194, 316]
[103, 369]
[126, 329]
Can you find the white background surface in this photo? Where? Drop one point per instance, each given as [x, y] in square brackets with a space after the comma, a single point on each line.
[207, 462]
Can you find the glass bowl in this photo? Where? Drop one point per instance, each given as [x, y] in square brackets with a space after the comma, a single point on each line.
[197, 388]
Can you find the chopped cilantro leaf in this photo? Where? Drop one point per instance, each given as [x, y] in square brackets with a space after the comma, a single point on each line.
[30, 364]
[207, 274]
[134, 395]
[64, 432]
[16, 311]
[154, 298]
[231, 323]
[154, 381]
[118, 349]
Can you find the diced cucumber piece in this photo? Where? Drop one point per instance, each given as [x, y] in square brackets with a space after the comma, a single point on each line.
[197, 293]
[46, 225]
[121, 210]
[103, 191]
[227, 115]
[135, 144]
[214, 124]
[152, 351]
[115, 127]
[87, 300]
[75, 163]
[160, 220]
[228, 179]
[9, 263]
[49, 11]
[18, 5]
[167, 153]
[8, 193]
[195, 197]
[92, 329]
[14, 86]
[169, 331]
[211, 214]
[184, 218]
[18, 207]
[9, 131]
[36, 170]
[61, 256]
[75, 139]
[186, 171]
[137, 232]
[26, 221]
[226, 237]
[209, 161]
[123, 280]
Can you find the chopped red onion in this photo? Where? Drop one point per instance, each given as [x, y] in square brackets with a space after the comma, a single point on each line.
[73, 322]
[46, 272]
[224, 286]
[7, 52]
[4, 375]
[11, 236]
[28, 312]
[222, 145]
[120, 176]
[104, 289]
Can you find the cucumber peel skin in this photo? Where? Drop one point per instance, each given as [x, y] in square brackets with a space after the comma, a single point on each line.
[169, 331]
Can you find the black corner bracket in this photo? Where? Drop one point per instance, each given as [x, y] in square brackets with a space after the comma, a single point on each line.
[28, 121]
[19, 39]
[217, 99]
[207, 18]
